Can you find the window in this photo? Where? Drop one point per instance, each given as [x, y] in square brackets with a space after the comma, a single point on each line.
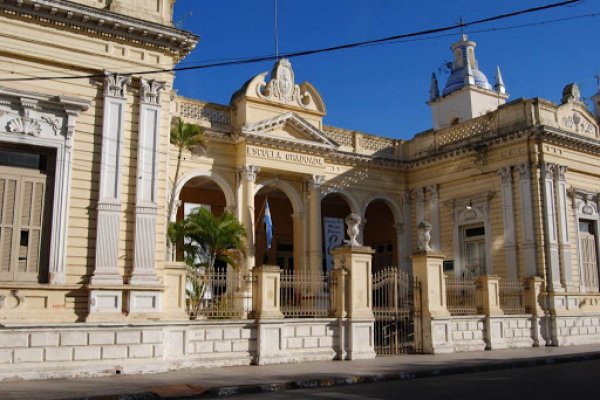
[473, 239]
[23, 207]
[588, 254]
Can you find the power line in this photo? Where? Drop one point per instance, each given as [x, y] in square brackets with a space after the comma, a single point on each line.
[253, 60]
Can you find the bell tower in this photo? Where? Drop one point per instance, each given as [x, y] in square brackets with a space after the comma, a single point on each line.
[467, 93]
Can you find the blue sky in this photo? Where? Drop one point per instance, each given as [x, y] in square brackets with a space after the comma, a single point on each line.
[383, 89]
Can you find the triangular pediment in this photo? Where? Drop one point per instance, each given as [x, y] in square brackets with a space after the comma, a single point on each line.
[289, 128]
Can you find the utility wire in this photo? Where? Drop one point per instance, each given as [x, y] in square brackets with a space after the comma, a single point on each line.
[313, 51]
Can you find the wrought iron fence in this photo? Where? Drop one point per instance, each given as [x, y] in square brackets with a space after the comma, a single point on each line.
[396, 307]
[461, 295]
[218, 293]
[512, 296]
[305, 295]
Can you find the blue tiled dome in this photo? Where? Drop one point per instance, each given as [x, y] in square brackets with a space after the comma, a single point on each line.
[457, 80]
[464, 68]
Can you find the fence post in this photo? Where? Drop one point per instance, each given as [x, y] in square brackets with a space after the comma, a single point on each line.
[174, 296]
[359, 300]
[534, 289]
[265, 292]
[428, 270]
[488, 295]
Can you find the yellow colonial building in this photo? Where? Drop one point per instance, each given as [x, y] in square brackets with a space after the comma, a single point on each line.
[489, 220]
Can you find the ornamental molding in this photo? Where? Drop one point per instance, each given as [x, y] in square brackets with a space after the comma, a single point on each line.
[312, 136]
[505, 173]
[150, 91]
[83, 19]
[524, 171]
[115, 85]
[584, 201]
[25, 126]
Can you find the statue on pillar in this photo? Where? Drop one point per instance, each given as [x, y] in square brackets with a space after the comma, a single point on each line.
[423, 236]
[353, 223]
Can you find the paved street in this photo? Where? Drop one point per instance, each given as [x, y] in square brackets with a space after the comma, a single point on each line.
[571, 380]
[456, 376]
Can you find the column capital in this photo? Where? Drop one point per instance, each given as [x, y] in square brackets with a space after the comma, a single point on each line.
[418, 194]
[506, 174]
[561, 171]
[115, 85]
[524, 171]
[150, 91]
[315, 181]
[250, 172]
[432, 190]
[548, 170]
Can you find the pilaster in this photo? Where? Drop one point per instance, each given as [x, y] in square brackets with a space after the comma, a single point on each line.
[106, 270]
[434, 216]
[528, 245]
[563, 228]
[248, 174]
[508, 216]
[548, 171]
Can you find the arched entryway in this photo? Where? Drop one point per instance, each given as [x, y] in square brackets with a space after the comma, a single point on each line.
[380, 233]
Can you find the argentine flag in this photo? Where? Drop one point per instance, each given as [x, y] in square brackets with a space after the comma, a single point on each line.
[268, 224]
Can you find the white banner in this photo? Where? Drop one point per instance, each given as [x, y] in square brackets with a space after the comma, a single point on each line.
[332, 238]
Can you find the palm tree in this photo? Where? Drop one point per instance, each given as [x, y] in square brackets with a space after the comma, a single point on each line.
[185, 137]
[209, 239]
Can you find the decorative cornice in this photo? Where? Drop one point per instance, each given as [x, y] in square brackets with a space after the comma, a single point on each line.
[90, 20]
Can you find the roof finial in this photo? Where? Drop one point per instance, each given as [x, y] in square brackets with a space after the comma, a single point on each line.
[434, 90]
[461, 23]
[499, 86]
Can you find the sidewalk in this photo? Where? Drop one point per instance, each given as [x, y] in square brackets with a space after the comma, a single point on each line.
[250, 379]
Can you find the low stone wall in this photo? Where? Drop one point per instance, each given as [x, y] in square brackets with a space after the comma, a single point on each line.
[69, 350]
[572, 330]
[509, 331]
[467, 333]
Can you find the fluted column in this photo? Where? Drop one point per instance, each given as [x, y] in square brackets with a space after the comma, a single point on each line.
[106, 269]
[508, 216]
[146, 207]
[566, 267]
[315, 237]
[527, 220]
[248, 176]
[551, 235]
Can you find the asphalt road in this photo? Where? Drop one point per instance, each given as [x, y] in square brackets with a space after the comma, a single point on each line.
[562, 381]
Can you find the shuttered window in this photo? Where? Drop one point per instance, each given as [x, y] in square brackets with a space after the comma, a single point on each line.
[23, 185]
[588, 251]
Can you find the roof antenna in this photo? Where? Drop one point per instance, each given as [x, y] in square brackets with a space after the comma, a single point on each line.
[276, 32]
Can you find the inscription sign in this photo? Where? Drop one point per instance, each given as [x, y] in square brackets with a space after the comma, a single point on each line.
[271, 154]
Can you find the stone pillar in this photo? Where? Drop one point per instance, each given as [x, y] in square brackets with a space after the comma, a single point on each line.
[106, 302]
[400, 249]
[534, 288]
[248, 176]
[530, 267]
[510, 243]
[174, 295]
[315, 236]
[550, 237]
[298, 239]
[434, 217]
[429, 272]
[563, 228]
[407, 233]
[357, 260]
[266, 293]
[489, 293]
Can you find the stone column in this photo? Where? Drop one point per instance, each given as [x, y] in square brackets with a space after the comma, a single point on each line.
[298, 239]
[530, 267]
[550, 237]
[407, 233]
[265, 292]
[563, 228]
[401, 252]
[488, 287]
[510, 243]
[434, 216]
[315, 236]
[248, 176]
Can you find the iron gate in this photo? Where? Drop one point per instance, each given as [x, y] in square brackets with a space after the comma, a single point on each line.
[397, 309]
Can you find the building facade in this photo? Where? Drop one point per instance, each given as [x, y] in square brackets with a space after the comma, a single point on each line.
[86, 171]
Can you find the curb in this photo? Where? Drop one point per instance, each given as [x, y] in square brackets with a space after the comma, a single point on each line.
[221, 391]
